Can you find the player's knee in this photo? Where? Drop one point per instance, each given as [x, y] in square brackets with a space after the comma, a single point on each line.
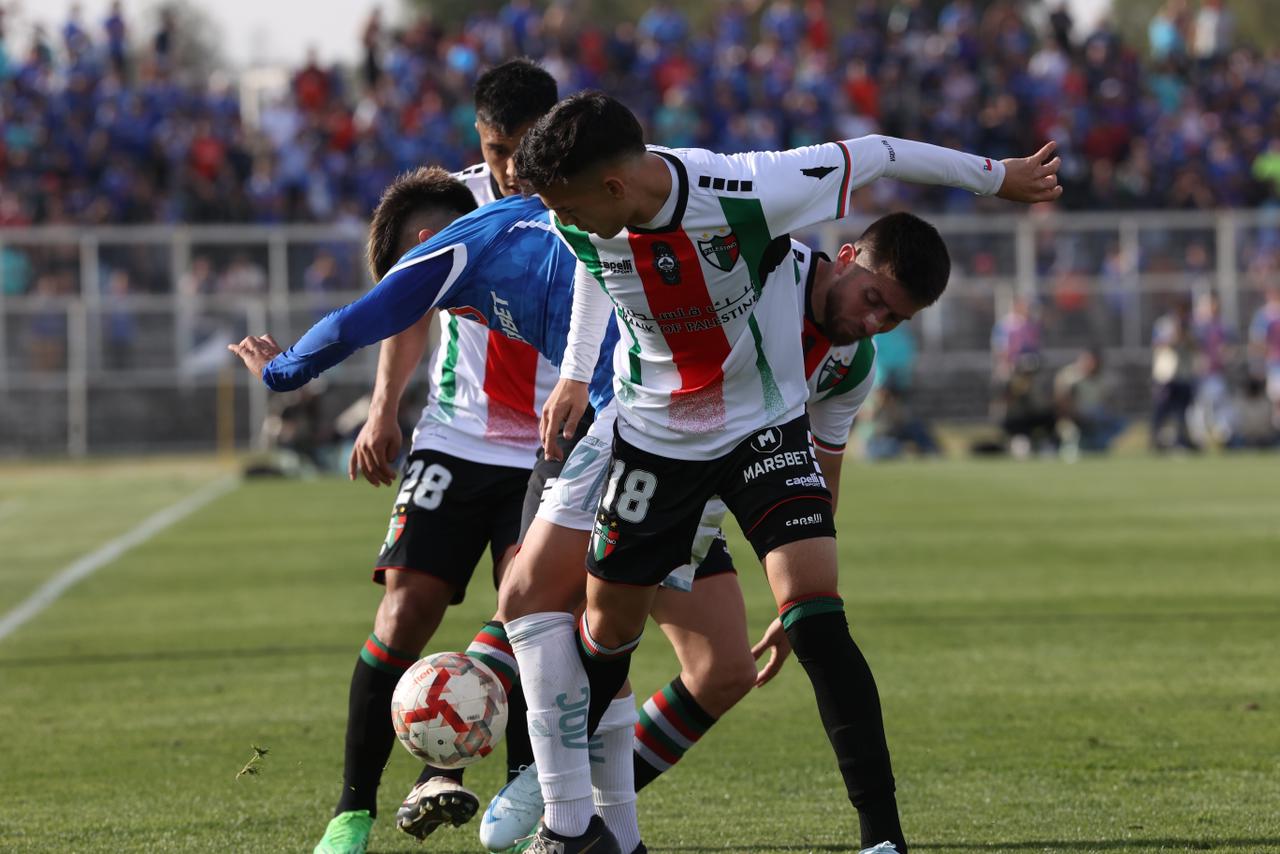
[412, 603]
[719, 684]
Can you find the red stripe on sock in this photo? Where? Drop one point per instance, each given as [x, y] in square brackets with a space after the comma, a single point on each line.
[386, 657]
[673, 715]
[791, 603]
[486, 639]
[656, 746]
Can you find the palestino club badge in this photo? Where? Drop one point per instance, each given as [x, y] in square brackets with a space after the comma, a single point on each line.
[666, 263]
[395, 529]
[832, 373]
[721, 251]
[604, 537]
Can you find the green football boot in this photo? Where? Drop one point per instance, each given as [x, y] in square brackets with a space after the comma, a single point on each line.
[347, 833]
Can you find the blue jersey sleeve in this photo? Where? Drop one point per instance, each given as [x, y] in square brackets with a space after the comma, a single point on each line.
[421, 280]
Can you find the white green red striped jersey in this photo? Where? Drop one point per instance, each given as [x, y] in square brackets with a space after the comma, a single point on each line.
[706, 299]
[839, 378]
[486, 389]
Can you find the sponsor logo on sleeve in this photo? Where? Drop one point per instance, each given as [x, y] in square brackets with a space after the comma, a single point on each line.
[818, 172]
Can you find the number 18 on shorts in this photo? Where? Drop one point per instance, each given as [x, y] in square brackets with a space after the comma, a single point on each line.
[651, 506]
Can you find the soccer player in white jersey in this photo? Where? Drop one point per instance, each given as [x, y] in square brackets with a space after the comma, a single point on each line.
[689, 249]
[464, 482]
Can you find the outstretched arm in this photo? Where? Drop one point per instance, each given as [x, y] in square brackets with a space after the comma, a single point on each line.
[410, 290]
[805, 186]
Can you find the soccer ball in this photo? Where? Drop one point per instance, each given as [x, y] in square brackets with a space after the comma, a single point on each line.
[449, 710]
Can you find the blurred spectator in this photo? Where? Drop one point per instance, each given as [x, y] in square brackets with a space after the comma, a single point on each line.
[120, 326]
[896, 354]
[15, 271]
[1165, 33]
[372, 43]
[1264, 343]
[298, 431]
[47, 330]
[1254, 424]
[243, 276]
[1213, 31]
[894, 428]
[1025, 408]
[1173, 371]
[1211, 413]
[117, 38]
[1015, 335]
[1082, 394]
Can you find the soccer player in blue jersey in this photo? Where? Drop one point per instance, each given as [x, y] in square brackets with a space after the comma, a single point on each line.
[465, 475]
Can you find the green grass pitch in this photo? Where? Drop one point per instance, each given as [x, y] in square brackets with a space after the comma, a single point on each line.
[1071, 658]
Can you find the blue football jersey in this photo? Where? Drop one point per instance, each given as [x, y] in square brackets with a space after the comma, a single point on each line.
[501, 265]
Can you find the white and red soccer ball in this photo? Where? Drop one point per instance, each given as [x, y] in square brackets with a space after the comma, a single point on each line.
[449, 710]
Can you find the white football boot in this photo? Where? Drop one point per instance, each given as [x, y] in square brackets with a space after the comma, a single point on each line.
[514, 812]
[882, 848]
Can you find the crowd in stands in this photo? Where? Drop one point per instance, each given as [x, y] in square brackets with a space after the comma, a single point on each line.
[101, 123]
[1210, 386]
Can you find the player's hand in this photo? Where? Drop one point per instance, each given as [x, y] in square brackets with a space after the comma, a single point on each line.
[256, 351]
[376, 449]
[1034, 178]
[775, 640]
[561, 414]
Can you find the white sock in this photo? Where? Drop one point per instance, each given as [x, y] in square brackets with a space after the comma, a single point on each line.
[613, 776]
[555, 687]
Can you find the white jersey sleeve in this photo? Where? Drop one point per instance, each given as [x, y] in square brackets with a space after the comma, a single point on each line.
[831, 417]
[805, 186]
[587, 325]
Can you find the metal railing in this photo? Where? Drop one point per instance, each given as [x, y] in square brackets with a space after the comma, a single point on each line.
[113, 338]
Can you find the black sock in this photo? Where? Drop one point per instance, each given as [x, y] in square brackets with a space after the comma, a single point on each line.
[606, 672]
[370, 735]
[429, 771]
[850, 709]
[519, 750]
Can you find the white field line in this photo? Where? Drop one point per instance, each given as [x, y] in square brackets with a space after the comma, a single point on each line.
[82, 568]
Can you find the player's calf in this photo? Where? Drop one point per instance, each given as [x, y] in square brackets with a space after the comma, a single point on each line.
[849, 706]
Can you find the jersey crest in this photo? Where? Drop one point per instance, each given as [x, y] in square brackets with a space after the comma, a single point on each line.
[833, 372]
[666, 263]
[721, 251]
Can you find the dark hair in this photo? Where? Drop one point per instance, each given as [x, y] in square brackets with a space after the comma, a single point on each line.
[425, 188]
[581, 131]
[910, 250]
[513, 94]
